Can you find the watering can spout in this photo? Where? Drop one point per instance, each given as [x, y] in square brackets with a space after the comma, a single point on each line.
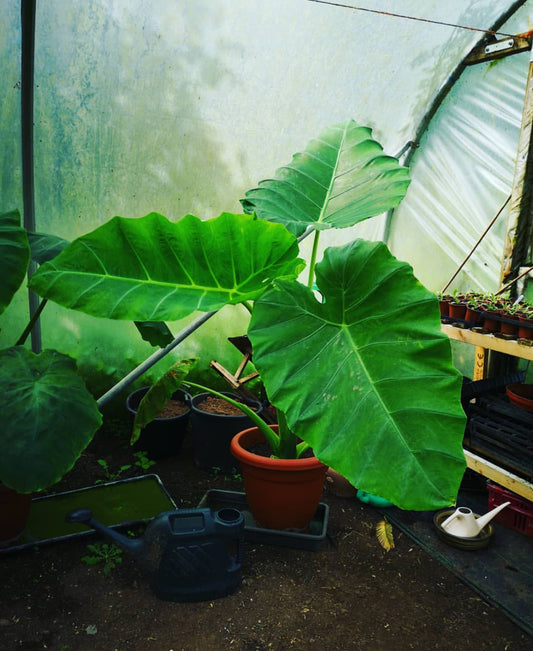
[84, 516]
[462, 522]
[483, 520]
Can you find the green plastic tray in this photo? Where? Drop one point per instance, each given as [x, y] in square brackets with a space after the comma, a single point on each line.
[121, 503]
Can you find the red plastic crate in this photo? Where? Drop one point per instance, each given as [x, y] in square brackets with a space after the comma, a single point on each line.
[518, 515]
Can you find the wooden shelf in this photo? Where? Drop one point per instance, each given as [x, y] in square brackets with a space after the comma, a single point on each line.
[483, 343]
[489, 342]
[499, 475]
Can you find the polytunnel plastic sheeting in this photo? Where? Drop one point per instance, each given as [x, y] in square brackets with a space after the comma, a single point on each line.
[182, 107]
[462, 173]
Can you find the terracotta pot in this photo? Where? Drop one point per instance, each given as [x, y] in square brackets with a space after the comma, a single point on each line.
[14, 514]
[473, 316]
[444, 307]
[281, 493]
[525, 332]
[457, 310]
[508, 327]
[521, 395]
[490, 324]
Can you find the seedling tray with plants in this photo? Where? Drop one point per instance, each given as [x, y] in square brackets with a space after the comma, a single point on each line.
[122, 503]
[312, 539]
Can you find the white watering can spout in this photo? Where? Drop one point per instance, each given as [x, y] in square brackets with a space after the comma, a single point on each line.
[462, 522]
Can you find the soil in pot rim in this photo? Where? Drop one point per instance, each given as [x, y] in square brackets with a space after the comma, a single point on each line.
[173, 408]
[214, 405]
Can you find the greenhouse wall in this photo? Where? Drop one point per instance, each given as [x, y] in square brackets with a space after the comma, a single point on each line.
[181, 107]
[463, 173]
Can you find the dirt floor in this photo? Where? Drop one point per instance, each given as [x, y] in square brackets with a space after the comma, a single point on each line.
[349, 595]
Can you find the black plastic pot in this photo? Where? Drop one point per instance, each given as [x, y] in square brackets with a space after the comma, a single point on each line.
[163, 437]
[212, 434]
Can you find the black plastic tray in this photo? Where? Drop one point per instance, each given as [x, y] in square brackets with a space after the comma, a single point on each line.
[122, 503]
[311, 540]
[502, 432]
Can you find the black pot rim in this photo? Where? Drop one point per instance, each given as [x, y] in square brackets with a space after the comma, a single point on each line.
[198, 398]
[187, 398]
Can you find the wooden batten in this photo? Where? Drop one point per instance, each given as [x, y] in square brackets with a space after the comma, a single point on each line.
[499, 49]
[519, 222]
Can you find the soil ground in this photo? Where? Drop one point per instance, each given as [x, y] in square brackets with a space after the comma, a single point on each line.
[351, 594]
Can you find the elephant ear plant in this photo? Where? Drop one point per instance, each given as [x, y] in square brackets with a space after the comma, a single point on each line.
[48, 414]
[361, 373]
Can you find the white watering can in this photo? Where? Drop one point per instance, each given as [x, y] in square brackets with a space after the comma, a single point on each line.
[462, 522]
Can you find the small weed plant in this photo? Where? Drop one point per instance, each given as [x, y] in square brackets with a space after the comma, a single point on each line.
[143, 462]
[109, 475]
[108, 554]
[235, 474]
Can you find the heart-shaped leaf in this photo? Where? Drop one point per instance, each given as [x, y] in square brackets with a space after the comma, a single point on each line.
[366, 376]
[48, 418]
[45, 247]
[340, 179]
[151, 269]
[14, 256]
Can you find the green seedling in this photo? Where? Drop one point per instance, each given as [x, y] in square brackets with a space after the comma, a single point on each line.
[235, 474]
[111, 476]
[143, 461]
[109, 555]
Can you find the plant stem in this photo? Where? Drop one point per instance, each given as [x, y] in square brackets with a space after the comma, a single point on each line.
[311, 278]
[301, 448]
[287, 440]
[29, 327]
[247, 305]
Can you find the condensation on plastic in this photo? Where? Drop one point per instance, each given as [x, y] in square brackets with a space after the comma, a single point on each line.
[182, 107]
[462, 174]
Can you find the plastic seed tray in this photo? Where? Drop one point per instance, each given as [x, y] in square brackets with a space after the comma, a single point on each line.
[122, 503]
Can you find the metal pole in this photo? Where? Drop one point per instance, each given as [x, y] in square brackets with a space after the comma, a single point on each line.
[27, 16]
[153, 359]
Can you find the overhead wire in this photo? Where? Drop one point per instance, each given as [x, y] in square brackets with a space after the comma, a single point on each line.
[406, 17]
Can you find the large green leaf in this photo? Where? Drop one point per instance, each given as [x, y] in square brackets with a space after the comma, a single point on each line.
[366, 377]
[48, 418]
[151, 269]
[45, 247]
[342, 178]
[14, 256]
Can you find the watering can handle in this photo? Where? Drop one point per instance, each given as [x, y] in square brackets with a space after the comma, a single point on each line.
[83, 516]
[450, 518]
